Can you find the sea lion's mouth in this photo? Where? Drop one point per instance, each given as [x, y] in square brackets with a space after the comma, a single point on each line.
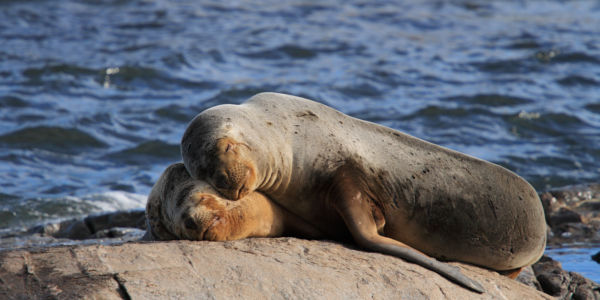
[203, 233]
[241, 192]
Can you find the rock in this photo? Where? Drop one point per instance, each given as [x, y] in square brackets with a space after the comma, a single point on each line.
[527, 277]
[550, 204]
[88, 227]
[131, 219]
[564, 215]
[573, 214]
[279, 268]
[562, 284]
[75, 230]
[71, 229]
[596, 257]
[590, 205]
[106, 228]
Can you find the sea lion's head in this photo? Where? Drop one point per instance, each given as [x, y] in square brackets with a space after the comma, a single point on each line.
[198, 216]
[214, 150]
[232, 172]
[180, 207]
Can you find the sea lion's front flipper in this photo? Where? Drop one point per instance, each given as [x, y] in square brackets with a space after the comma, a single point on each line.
[353, 206]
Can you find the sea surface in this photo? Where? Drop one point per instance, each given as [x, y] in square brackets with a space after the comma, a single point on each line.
[577, 258]
[95, 95]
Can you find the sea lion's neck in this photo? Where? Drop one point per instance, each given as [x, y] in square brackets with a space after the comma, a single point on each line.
[275, 173]
[274, 158]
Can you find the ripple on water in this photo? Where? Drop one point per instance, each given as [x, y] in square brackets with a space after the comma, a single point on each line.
[58, 75]
[451, 125]
[141, 77]
[577, 80]
[575, 57]
[524, 42]
[436, 113]
[545, 124]
[176, 113]
[281, 52]
[490, 100]
[235, 94]
[145, 152]
[595, 107]
[12, 102]
[57, 139]
[511, 66]
[360, 89]
[125, 78]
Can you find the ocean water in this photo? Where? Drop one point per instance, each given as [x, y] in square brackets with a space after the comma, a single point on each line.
[577, 258]
[95, 95]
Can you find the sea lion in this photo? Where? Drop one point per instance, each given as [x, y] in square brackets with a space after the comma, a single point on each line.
[180, 207]
[391, 192]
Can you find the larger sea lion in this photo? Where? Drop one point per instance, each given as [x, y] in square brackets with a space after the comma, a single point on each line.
[389, 191]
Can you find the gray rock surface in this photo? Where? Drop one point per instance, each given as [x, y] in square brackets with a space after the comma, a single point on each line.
[276, 268]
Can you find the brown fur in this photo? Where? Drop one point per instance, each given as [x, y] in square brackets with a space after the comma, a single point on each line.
[180, 207]
[512, 274]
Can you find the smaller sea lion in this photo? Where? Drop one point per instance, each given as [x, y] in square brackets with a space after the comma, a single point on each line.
[180, 207]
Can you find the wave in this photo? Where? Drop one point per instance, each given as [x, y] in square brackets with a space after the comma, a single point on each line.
[577, 80]
[522, 65]
[281, 52]
[147, 151]
[575, 57]
[116, 200]
[490, 100]
[125, 77]
[57, 139]
[12, 102]
[28, 212]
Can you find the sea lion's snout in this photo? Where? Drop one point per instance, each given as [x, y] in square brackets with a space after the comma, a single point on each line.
[191, 224]
[197, 220]
[233, 185]
[233, 182]
[234, 174]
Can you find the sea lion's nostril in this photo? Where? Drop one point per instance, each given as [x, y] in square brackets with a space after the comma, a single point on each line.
[221, 181]
[190, 224]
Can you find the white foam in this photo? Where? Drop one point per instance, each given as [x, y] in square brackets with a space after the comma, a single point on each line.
[116, 200]
[69, 207]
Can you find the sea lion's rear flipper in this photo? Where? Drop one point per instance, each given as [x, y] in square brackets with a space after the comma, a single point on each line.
[353, 206]
[512, 274]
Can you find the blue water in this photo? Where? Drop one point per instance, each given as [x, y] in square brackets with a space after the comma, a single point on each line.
[578, 258]
[95, 95]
